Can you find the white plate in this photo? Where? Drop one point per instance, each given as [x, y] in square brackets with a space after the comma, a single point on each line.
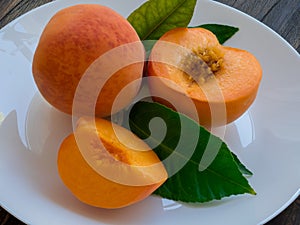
[266, 138]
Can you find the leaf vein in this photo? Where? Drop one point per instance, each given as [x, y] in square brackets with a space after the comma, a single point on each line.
[168, 15]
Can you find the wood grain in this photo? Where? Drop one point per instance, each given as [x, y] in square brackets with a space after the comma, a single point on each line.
[283, 16]
[11, 9]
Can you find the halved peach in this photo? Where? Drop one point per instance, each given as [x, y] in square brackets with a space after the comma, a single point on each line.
[222, 82]
[107, 166]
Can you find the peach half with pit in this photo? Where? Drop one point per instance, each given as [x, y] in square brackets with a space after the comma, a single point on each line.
[221, 81]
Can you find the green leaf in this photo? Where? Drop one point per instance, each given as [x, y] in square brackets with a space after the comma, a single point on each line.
[220, 179]
[155, 17]
[223, 32]
[244, 170]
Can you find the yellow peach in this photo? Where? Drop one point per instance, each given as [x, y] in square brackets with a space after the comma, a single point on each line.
[107, 166]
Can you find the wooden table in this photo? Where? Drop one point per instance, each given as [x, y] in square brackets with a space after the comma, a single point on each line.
[283, 16]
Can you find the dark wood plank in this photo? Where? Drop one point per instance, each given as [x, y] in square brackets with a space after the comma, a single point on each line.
[283, 16]
[7, 219]
[287, 21]
[9, 10]
[7, 6]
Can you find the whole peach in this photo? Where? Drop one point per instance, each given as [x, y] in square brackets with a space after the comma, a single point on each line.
[76, 38]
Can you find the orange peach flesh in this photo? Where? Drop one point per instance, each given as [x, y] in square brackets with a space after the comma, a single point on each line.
[89, 185]
[233, 87]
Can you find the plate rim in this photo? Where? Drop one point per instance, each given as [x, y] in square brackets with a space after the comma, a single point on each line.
[57, 2]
